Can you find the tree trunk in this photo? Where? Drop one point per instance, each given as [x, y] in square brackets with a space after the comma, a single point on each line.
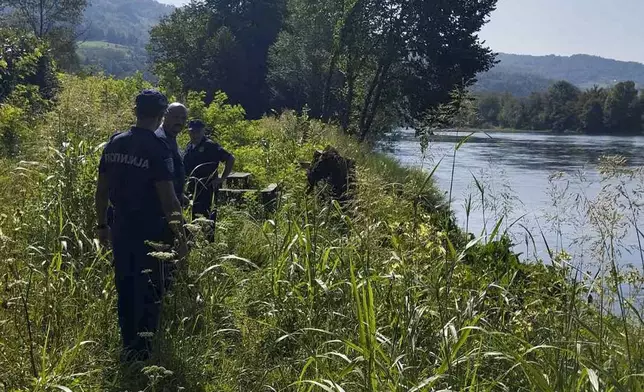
[42, 19]
[351, 82]
[376, 103]
[326, 97]
[354, 68]
[342, 43]
[367, 101]
[371, 103]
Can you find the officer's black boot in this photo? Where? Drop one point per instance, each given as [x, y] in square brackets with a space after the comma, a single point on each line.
[211, 232]
[126, 292]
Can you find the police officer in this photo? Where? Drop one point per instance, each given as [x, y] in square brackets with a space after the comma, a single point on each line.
[202, 158]
[135, 177]
[173, 122]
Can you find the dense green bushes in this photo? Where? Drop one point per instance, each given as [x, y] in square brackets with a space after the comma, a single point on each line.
[615, 110]
[28, 84]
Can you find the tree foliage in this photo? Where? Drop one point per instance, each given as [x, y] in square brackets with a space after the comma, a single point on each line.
[52, 20]
[28, 84]
[623, 108]
[221, 45]
[364, 63]
[616, 110]
[561, 104]
[368, 62]
[25, 61]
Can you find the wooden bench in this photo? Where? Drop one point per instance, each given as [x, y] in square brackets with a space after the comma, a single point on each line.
[238, 180]
[267, 196]
[234, 195]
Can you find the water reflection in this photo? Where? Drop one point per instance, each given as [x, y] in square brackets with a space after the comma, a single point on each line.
[518, 169]
[536, 151]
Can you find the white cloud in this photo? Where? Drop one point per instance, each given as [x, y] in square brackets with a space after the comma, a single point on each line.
[174, 2]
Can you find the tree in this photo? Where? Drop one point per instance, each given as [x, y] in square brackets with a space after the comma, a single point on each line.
[623, 109]
[387, 61]
[43, 17]
[434, 47]
[591, 110]
[535, 111]
[25, 60]
[512, 114]
[221, 45]
[561, 111]
[592, 117]
[489, 107]
[619, 109]
[52, 20]
[299, 59]
[28, 83]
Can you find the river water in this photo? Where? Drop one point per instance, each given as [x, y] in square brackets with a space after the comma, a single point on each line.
[547, 188]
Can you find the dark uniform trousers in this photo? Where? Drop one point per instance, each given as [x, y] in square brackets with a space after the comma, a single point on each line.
[141, 281]
[201, 163]
[205, 204]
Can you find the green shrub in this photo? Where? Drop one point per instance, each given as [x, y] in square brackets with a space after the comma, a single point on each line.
[12, 126]
[25, 60]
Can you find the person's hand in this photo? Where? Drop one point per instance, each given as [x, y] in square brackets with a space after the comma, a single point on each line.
[217, 182]
[185, 200]
[182, 259]
[104, 236]
[182, 251]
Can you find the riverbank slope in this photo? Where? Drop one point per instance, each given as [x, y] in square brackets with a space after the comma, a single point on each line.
[382, 295]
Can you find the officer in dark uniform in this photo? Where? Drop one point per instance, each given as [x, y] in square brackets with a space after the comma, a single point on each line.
[135, 177]
[173, 123]
[201, 159]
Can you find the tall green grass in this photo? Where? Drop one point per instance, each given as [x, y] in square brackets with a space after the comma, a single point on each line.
[383, 294]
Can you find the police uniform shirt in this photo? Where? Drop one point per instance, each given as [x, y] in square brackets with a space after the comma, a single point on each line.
[202, 160]
[179, 169]
[133, 162]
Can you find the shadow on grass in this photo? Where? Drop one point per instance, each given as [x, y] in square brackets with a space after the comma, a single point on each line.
[165, 371]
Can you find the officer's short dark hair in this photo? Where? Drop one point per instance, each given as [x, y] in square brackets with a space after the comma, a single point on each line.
[150, 103]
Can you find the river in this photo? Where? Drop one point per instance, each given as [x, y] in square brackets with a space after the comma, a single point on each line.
[547, 188]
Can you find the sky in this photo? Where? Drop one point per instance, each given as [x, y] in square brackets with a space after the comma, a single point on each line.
[607, 28]
[174, 2]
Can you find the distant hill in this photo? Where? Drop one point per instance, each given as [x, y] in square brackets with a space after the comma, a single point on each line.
[115, 32]
[517, 83]
[518, 73]
[113, 59]
[123, 22]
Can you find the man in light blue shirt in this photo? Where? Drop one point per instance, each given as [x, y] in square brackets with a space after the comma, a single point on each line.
[173, 123]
